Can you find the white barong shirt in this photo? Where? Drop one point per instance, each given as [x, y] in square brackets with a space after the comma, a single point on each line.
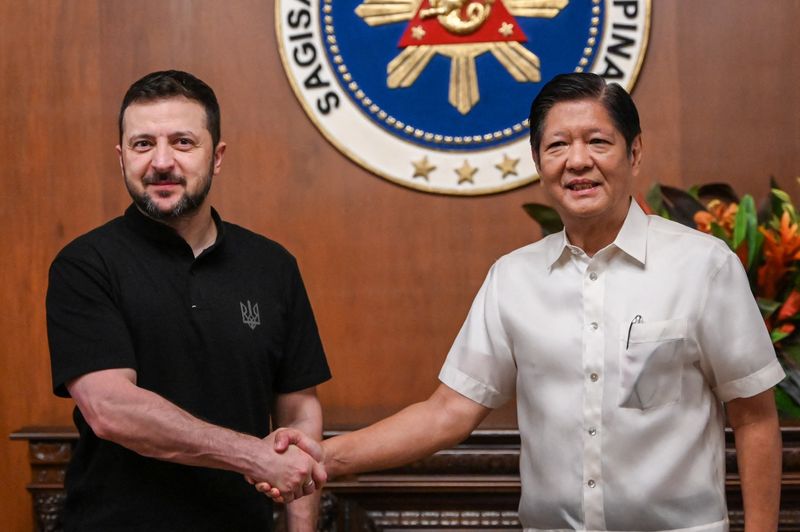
[620, 362]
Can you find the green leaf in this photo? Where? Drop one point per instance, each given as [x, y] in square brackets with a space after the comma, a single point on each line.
[782, 196]
[777, 335]
[754, 249]
[787, 406]
[754, 237]
[720, 233]
[741, 222]
[788, 207]
[781, 201]
[653, 198]
[767, 306]
[545, 216]
[745, 229]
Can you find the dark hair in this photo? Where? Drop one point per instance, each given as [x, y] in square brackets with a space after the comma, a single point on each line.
[169, 84]
[580, 86]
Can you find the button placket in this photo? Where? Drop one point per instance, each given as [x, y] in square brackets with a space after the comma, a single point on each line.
[194, 292]
[593, 365]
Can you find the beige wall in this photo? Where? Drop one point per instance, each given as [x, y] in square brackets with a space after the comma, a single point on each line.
[391, 272]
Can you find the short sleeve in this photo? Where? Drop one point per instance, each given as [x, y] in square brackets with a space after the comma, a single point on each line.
[737, 355]
[303, 363]
[480, 364]
[85, 328]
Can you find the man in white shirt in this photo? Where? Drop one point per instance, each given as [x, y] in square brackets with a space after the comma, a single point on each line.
[621, 336]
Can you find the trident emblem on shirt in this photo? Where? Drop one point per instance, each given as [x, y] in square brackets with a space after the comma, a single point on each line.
[250, 315]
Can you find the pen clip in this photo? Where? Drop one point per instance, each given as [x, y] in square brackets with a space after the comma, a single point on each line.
[636, 319]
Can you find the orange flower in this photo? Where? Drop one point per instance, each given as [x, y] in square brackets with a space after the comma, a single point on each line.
[723, 214]
[702, 220]
[781, 248]
[791, 306]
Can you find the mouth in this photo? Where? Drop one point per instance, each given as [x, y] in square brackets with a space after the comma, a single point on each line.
[581, 185]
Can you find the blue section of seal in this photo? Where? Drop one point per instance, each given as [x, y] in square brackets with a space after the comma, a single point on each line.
[365, 51]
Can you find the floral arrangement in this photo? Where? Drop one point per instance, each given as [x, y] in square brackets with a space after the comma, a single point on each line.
[767, 241]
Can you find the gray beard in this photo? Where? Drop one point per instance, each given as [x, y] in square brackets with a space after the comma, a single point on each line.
[187, 204]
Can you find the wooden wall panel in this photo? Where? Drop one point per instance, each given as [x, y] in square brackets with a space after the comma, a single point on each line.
[391, 272]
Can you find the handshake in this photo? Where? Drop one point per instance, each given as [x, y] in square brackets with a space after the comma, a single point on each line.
[295, 467]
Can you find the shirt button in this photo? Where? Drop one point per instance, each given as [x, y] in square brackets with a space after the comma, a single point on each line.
[594, 377]
[593, 276]
[592, 431]
[594, 325]
[591, 483]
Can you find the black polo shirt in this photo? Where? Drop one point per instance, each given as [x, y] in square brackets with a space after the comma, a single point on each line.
[218, 335]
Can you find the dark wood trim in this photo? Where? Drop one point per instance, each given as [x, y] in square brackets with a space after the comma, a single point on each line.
[474, 485]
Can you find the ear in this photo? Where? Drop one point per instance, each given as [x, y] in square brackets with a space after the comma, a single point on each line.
[119, 157]
[219, 153]
[636, 154]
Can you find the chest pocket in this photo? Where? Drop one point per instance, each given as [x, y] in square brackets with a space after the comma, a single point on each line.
[651, 363]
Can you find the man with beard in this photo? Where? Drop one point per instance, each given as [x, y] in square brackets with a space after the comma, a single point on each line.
[181, 337]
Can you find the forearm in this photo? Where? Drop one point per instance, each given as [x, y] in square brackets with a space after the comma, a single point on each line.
[758, 452]
[302, 514]
[419, 430]
[148, 424]
[301, 411]
[759, 449]
[120, 411]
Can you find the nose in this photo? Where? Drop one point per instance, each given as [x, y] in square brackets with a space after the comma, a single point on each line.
[163, 158]
[578, 157]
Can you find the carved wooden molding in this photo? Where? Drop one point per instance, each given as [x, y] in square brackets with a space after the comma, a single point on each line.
[474, 485]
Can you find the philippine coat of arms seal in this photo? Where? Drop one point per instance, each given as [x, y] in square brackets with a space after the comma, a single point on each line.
[435, 94]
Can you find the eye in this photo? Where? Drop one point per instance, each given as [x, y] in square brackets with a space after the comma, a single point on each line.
[141, 144]
[184, 143]
[555, 145]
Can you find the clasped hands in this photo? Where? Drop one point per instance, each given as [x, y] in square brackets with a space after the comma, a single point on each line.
[296, 470]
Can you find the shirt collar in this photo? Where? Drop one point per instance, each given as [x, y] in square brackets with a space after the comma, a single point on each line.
[556, 247]
[631, 239]
[155, 230]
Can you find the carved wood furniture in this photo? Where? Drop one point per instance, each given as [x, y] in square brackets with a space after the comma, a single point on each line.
[474, 486]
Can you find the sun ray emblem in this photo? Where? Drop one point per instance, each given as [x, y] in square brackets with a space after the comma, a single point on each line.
[460, 30]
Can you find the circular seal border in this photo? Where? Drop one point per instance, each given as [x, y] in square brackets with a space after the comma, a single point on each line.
[343, 122]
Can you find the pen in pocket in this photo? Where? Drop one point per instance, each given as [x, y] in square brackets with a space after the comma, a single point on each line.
[636, 319]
